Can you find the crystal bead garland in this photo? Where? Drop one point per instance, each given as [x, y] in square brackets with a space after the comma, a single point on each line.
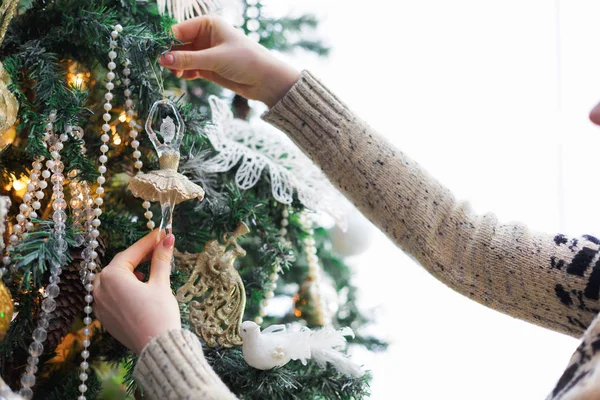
[31, 203]
[274, 276]
[133, 133]
[93, 212]
[24, 223]
[59, 216]
[77, 199]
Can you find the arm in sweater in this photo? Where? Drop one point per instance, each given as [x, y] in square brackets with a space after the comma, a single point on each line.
[549, 280]
[172, 366]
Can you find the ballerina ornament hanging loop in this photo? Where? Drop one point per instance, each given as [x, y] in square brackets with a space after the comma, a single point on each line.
[165, 185]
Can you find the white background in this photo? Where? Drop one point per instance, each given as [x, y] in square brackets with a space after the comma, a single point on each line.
[492, 98]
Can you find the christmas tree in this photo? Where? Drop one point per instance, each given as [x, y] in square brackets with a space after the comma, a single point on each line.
[79, 79]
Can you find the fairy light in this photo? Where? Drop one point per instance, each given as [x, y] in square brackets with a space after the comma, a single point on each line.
[76, 77]
[20, 184]
[123, 117]
[116, 139]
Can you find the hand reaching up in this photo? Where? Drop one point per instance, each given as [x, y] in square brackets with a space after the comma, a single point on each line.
[214, 50]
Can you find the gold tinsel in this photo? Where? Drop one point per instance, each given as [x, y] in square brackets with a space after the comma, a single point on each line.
[215, 291]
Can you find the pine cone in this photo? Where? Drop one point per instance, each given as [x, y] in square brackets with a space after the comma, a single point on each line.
[69, 303]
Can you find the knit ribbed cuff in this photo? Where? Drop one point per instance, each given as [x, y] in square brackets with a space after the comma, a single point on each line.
[311, 115]
[172, 366]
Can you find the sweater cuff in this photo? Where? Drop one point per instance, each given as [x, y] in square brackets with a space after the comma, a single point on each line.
[172, 366]
[310, 114]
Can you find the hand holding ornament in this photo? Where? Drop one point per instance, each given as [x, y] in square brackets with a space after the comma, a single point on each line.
[220, 53]
[132, 311]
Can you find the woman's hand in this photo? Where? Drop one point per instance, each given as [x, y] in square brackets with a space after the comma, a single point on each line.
[132, 311]
[216, 51]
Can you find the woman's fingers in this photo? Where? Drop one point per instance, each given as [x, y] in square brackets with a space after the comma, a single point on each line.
[140, 275]
[196, 30]
[595, 115]
[160, 270]
[190, 75]
[134, 255]
[191, 59]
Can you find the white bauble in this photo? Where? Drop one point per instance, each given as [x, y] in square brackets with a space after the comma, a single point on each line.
[357, 238]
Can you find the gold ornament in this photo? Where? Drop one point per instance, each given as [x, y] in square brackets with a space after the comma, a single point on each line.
[308, 305]
[6, 310]
[9, 107]
[215, 291]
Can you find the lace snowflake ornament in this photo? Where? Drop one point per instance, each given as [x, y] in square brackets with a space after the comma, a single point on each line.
[258, 146]
[180, 10]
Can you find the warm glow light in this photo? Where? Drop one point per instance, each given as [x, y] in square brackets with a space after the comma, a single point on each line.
[123, 117]
[20, 184]
[77, 80]
[116, 139]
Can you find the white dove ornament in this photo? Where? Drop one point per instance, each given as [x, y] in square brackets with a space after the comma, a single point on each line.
[278, 344]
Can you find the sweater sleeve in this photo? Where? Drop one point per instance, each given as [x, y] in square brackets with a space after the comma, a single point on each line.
[172, 366]
[549, 280]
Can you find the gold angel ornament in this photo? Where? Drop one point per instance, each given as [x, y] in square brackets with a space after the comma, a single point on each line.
[215, 291]
[165, 185]
[9, 107]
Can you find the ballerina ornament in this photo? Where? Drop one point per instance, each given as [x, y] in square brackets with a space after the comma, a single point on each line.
[165, 185]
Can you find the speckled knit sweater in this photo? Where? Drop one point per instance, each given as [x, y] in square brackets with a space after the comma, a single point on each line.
[549, 280]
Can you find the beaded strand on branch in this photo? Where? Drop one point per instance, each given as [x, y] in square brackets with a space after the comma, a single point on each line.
[89, 253]
[133, 133]
[59, 216]
[274, 276]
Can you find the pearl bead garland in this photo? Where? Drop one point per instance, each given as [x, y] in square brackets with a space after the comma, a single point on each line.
[275, 274]
[93, 213]
[252, 19]
[314, 268]
[4, 207]
[59, 216]
[133, 133]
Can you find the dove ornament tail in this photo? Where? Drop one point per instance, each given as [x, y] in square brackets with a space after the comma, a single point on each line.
[325, 346]
[279, 344]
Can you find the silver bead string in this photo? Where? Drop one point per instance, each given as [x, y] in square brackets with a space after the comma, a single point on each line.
[133, 133]
[39, 335]
[93, 213]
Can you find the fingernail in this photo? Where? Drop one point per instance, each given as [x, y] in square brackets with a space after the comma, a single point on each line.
[167, 59]
[169, 241]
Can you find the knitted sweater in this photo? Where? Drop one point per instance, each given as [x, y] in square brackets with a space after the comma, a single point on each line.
[549, 280]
